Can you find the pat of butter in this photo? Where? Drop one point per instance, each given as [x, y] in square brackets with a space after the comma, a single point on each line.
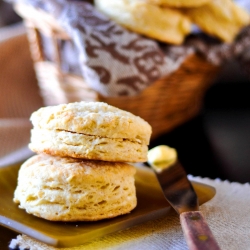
[162, 157]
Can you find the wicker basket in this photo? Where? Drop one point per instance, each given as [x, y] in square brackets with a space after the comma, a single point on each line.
[165, 104]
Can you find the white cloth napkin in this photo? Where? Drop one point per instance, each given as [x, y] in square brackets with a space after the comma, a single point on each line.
[227, 215]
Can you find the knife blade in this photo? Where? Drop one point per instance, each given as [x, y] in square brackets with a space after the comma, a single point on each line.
[181, 195]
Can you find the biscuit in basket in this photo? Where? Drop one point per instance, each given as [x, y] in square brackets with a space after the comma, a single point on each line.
[179, 3]
[164, 24]
[220, 18]
[67, 189]
[90, 130]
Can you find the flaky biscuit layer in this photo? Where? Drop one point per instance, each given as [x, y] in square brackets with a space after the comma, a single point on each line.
[67, 189]
[63, 143]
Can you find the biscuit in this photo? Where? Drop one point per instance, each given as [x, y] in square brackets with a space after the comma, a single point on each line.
[220, 18]
[67, 189]
[164, 24]
[179, 3]
[91, 130]
[93, 118]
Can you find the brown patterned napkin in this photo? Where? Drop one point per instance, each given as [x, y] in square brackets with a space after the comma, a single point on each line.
[114, 61]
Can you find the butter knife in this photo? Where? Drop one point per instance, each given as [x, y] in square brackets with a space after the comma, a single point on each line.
[180, 194]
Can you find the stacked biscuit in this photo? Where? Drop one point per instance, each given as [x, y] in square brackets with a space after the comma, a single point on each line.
[80, 172]
[171, 21]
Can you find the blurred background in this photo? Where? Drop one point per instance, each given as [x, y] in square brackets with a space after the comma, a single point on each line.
[7, 14]
[215, 144]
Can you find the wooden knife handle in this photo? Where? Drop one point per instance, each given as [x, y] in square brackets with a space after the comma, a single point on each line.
[196, 231]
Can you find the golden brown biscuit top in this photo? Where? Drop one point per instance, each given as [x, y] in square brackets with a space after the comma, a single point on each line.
[93, 118]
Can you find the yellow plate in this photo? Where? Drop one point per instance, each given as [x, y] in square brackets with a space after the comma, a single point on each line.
[151, 205]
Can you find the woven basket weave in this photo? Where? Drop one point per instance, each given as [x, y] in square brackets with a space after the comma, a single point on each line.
[165, 104]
